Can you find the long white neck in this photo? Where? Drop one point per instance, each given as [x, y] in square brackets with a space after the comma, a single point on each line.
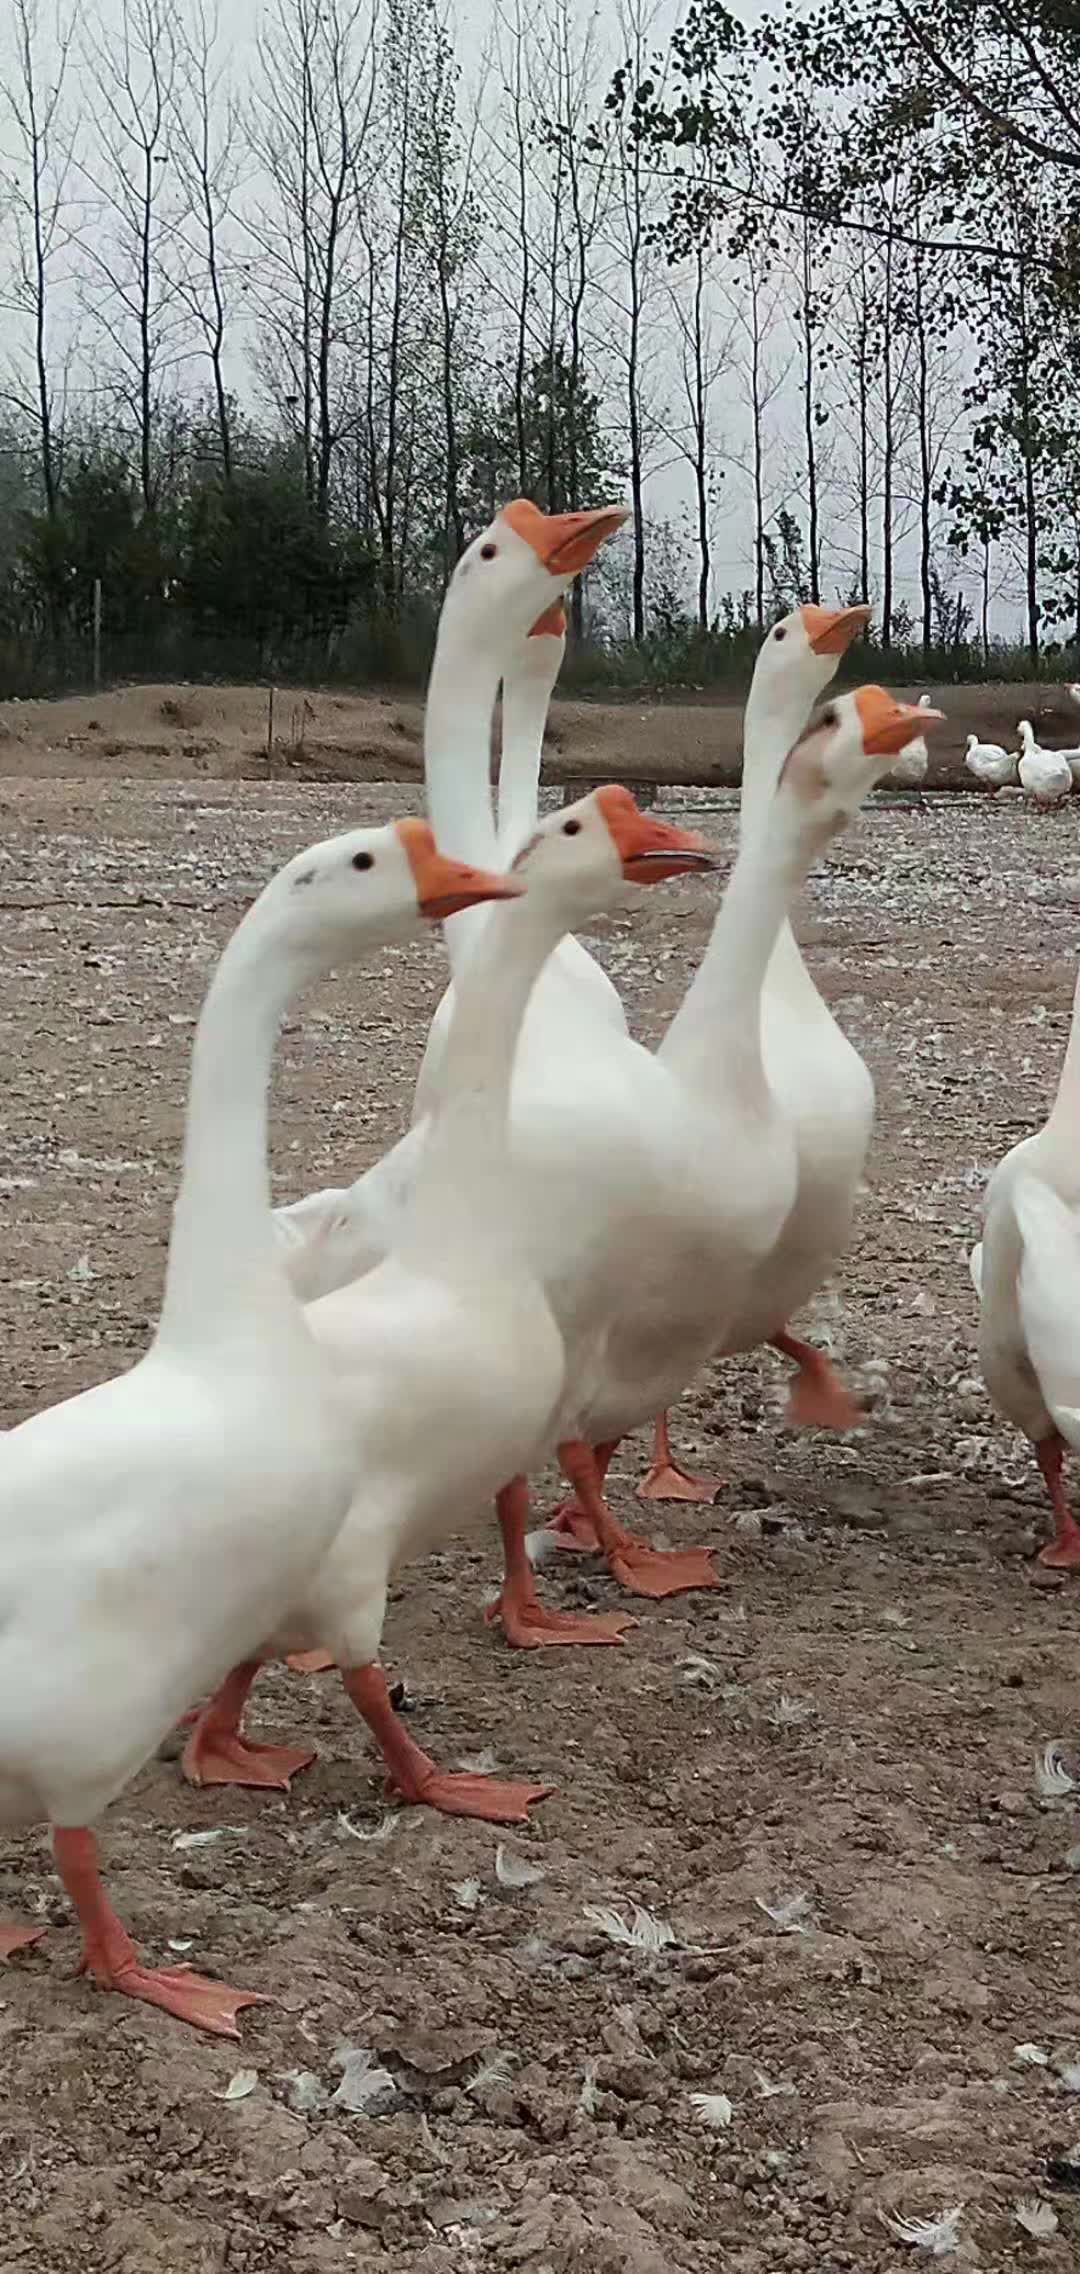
[775, 718]
[223, 1267]
[1063, 1122]
[525, 700]
[465, 1214]
[715, 1037]
[457, 760]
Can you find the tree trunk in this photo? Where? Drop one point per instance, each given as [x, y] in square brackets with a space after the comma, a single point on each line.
[1027, 447]
[809, 431]
[888, 450]
[925, 460]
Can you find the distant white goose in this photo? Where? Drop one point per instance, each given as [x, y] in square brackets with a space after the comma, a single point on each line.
[909, 772]
[1045, 774]
[990, 763]
[1074, 690]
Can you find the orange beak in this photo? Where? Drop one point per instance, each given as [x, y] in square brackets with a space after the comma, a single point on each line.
[886, 724]
[830, 631]
[564, 543]
[650, 850]
[552, 622]
[445, 887]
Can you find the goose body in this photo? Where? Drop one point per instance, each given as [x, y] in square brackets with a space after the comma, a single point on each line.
[148, 1527]
[990, 763]
[1026, 1272]
[1045, 774]
[532, 669]
[910, 769]
[448, 1352]
[819, 1084]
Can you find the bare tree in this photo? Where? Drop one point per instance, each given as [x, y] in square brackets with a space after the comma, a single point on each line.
[41, 197]
[704, 355]
[308, 122]
[631, 287]
[448, 225]
[205, 121]
[132, 71]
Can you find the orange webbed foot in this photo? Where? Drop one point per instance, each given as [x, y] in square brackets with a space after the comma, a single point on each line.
[217, 1757]
[19, 1938]
[531, 1625]
[194, 1998]
[658, 1572]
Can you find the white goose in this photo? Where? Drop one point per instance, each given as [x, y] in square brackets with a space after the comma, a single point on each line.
[448, 1350]
[1044, 774]
[331, 1237]
[718, 1167]
[1026, 1273]
[148, 1528]
[910, 769]
[528, 682]
[815, 1073]
[990, 763]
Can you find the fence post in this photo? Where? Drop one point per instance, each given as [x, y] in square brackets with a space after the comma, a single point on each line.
[97, 633]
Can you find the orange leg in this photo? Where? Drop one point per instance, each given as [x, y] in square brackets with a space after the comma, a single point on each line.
[572, 1524]
[528, 1624]
[414, 1777]
[639, 1568]
[19, 1938]
[1062, 1553]
[217, 1752]
[818, 1398]
[666, 1479]
[111, 1957]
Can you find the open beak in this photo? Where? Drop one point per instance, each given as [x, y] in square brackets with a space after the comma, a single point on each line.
[651, 850]
[444, 887]
[887, 726]
[564, 543]
[552, 622]
[831, 631]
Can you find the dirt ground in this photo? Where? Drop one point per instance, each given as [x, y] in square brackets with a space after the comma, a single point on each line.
[846, 1732]
[156, 731]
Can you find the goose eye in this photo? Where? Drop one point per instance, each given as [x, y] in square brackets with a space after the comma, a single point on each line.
[780, 632]
[488, 552]
[571, 828]
[363, 860]
[828, 718]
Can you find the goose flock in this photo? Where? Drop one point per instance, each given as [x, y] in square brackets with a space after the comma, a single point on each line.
[1047, 777]
[570, 1229]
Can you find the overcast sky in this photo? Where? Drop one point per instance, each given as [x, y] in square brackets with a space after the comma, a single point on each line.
[669, 487]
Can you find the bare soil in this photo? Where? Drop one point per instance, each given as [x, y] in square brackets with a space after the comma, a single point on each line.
[159, 732]
[853, 1718]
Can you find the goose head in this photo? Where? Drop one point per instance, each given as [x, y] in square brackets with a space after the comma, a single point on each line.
[513, 572]
[582, 858]
[844, 752]
[372, 885]
[801, 652]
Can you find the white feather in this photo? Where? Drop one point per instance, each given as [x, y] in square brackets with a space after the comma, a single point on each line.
[713, 2109]
[643, 1931]
[1052, 1778]
[1040, 2220]
[515, 1871]
[939, 2237]
[794, 1914]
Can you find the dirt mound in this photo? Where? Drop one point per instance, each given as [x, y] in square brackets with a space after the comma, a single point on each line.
[175, 732]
